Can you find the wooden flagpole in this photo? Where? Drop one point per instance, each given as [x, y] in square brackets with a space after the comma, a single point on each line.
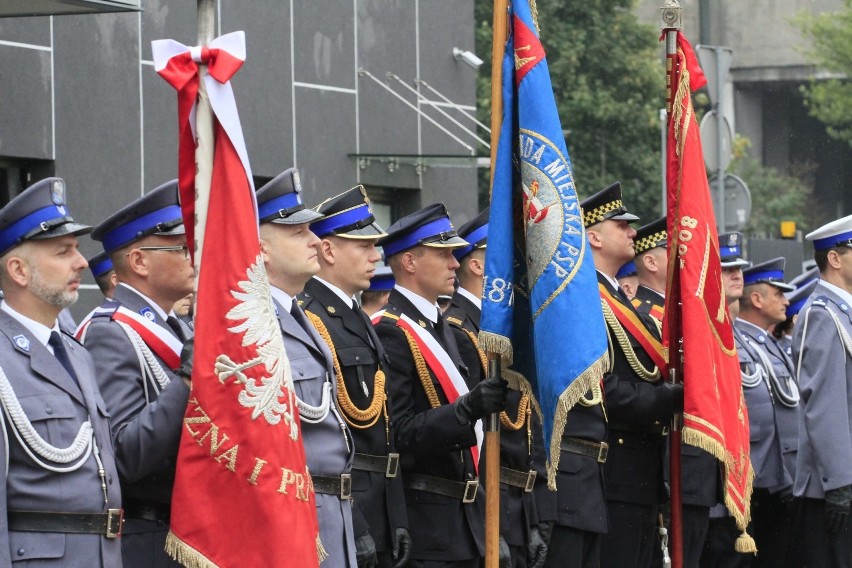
[671, 25]
[492, 423]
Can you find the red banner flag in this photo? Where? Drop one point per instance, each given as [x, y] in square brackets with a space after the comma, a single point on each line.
[242, 493]
[715, 416]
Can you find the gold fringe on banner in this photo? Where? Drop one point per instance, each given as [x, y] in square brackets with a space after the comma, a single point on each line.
[575, 391]
[496, 343]
[184, 554]
[745, 543]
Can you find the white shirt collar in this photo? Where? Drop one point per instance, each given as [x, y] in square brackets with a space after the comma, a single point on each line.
[282, 297]
[39, 330]
[424, 306]
[611, 280]
[847, 297]
[477, 301]
[151, 302]
[338, 292]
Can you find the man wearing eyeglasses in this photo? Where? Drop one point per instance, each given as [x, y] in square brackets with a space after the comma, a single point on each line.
[136, 342]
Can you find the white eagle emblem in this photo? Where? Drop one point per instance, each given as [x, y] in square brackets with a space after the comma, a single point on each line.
[256, 313]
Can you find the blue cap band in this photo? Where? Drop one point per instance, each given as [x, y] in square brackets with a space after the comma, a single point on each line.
[629, 269]
[22, 227]
[139, 227]
[101, 268]
[727, 252]
[343, 219]
[767, 276]
[431, 229]
[382, 283]
[833, 241]
[473, 237]
[795, 307]
[278, 206]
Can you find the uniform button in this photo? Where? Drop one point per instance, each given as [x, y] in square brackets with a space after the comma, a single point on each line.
[825, 478]
[48, 410]
[109, 479]
[657, 422]
[21, 552]
[786, 446]
[357, 357]
[621, 440]
[301, 373]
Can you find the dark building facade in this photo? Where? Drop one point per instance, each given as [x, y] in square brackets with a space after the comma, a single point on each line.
[82, 101]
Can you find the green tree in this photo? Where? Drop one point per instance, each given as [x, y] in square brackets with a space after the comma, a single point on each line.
[609, 83]
[830, 101]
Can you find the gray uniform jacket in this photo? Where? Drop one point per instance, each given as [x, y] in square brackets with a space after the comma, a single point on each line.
[146, 427]
[825, 380]
[772, 426]
[327, 451]
[56, 407]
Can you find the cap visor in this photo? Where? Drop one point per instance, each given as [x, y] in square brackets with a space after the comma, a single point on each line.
[783, 286]
[629, 217]
[299, 217]
[371, 231]
[735, 263]
[452, 242]
[64, 229]
[174, 231]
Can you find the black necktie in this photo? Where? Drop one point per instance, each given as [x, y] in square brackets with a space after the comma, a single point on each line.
[61, 354]
[439, 327]
[173, 323]
[300, 318]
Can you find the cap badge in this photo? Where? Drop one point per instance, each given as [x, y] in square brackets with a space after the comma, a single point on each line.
[57, 192]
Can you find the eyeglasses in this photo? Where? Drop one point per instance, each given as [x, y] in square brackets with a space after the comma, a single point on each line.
[174, 248]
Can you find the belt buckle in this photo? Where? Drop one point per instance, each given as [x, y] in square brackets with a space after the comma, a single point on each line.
[393, 465]
[470, 489]
[531, 475]
[603, 452]
[345, 486]
[115, 523]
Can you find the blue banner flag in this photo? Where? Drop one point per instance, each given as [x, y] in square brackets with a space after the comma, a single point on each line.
[541, 308]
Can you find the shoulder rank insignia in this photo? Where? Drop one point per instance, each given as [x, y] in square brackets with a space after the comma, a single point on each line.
[22, 342]
[455, 321]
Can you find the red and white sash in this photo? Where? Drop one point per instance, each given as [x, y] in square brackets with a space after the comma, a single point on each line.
[439, 362]
[164, 345]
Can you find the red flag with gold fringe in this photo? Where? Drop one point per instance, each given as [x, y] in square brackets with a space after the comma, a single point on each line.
[242, 493]
[715, 416]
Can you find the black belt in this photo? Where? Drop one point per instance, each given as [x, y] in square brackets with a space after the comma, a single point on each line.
[523, 479]
[464, 490]
[341, 486]
[147, 510]
[388, 464]
[594, 450]
[107, 524]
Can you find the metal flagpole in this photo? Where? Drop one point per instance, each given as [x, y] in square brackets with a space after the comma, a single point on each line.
[671, 24]
[492, 423]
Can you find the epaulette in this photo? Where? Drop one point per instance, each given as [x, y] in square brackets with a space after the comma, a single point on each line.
[821, 301]
[636, 302]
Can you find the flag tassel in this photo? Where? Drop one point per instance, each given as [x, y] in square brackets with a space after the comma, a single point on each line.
[185, 554]
[592, 376]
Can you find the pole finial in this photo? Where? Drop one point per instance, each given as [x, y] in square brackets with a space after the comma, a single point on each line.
[670, 15]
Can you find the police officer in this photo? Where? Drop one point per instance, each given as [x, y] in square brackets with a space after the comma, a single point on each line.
[136, 343]
[347, 259]
[772, 398]
[805, 285]
[639, 403]
[518, 516]
[290, 251]
[104, 273]
[436, 404]
[61, 502]
[822, 353]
